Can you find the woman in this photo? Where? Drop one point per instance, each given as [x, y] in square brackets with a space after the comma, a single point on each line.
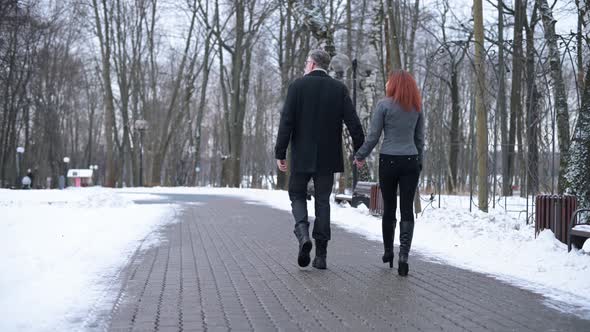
[400, 161]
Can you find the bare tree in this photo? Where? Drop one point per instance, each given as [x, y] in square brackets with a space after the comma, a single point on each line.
[104, 34]
[533, 99]
[162, 144]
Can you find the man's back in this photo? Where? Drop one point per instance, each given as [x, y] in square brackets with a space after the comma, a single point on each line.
[311, 120]
[315, 108]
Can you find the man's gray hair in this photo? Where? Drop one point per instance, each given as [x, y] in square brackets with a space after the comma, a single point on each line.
[321, 58]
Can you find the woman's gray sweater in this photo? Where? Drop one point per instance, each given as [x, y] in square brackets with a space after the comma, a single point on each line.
[404, 131]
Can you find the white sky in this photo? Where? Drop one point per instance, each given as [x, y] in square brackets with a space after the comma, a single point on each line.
[564, 12]
[174, 20]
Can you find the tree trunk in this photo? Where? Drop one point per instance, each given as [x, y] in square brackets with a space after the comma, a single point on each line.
[455, 143]
[578, 173]
[560, 96]
[237, 108]
[286, 52]
[394, 42]
[411, 49]
[533, 115]
[580, 46]
[501, 104]
[515, 95]
[109, 122]
[201, 106]
[482, 131]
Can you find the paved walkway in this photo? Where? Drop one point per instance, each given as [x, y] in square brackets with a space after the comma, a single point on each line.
[231, 265]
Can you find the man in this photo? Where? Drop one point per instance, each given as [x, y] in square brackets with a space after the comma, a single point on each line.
[311, 120]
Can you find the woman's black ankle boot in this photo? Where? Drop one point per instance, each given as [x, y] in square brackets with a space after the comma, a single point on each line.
[388, 257]
[406, 233]
[388, 229]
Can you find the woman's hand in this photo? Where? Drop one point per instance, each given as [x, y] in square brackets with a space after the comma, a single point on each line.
[359, 163]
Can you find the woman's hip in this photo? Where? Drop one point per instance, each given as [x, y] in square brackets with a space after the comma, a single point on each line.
[399, 164]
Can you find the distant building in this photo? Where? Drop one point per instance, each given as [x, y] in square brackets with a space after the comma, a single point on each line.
[80, 177]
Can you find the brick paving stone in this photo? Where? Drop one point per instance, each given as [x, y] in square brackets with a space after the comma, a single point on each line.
[231, 265]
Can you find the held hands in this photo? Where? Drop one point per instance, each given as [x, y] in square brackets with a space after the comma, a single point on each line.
[359, 163]
[282, 165]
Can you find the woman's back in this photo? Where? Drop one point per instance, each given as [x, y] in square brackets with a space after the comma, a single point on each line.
[403, 129]
[399, 127]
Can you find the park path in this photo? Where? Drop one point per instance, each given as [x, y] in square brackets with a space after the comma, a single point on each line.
[230, 264]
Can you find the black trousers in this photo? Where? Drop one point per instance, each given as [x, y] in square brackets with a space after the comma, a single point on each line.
[394, 171]
[298, 194]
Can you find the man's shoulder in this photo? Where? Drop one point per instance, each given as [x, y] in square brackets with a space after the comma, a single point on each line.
[307, 82]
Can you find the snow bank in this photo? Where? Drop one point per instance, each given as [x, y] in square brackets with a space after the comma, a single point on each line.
[62, 250]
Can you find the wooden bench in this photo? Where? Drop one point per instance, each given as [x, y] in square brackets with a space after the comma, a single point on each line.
[361, 194]
[578, 231]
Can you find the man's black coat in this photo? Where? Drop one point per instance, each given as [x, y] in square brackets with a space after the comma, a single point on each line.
[312, 117]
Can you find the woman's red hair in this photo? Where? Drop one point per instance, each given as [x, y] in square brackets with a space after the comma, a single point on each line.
[402, 87]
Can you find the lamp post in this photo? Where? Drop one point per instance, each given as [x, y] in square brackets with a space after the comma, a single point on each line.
[142, 126]
[66, 162]
[19, 152]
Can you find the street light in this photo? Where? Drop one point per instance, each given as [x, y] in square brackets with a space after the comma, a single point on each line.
[19, 152]
[66, 162]
[142, 126]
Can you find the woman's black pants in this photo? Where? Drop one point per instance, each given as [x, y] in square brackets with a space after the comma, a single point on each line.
[402, 172]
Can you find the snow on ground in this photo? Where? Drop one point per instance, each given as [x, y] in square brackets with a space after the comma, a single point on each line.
[498, 243]
[62, 252]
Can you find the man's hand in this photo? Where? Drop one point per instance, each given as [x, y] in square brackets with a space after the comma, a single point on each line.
[282, 164]
[359, 163]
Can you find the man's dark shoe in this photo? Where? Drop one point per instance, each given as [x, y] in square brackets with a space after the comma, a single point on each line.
[321, 249]
[305, 245]
[304, 250]
[319, 263]
[402, 265]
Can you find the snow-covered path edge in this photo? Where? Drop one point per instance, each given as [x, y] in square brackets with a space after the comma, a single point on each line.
[496, 244]
[97, 317]
[65, 251]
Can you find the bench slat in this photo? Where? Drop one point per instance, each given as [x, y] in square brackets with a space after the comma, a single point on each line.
[580, 233]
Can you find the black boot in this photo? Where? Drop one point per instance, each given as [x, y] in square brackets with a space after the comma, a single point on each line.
[305, 245]
[388, 229]
[321, 248]
[406, 232]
